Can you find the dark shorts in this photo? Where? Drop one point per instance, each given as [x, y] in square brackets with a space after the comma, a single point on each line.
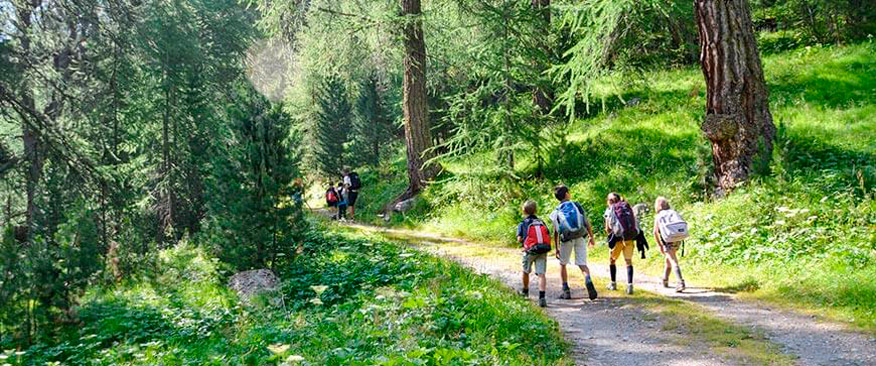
[351, 198]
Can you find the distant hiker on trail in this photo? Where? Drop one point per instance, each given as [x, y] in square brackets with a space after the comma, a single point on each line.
[342, 202]
[533, 234]
[570, 223]
[352, 184]
[331, 196]
[622, 229]
[670, 230]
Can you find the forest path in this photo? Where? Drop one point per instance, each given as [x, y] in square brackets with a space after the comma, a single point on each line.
[617, 329]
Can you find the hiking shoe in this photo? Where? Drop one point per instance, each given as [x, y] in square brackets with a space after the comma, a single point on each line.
[542, 302]
[680, 287]
[523, 293]
[612, 286]
[591, 291]
[629, 289]
[665, 283]
[567, 295]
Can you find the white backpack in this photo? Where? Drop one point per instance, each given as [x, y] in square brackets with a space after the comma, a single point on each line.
[672, 227]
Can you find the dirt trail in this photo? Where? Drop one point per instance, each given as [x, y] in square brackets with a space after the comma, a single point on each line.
[613, 331]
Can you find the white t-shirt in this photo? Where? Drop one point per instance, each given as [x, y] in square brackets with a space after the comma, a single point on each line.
[347, 181]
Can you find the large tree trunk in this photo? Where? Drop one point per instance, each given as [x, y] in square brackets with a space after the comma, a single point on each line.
[418, 137]
[738, 122]
[542, 96]
[33, 151]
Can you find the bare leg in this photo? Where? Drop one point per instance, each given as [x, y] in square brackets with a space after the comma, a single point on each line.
[525, 281]
[563, 274]
[672, 259]
[667, 268]
[542, 282]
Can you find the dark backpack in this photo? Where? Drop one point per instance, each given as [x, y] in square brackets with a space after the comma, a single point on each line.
[355, 183]
[626, 221]
[538, 238]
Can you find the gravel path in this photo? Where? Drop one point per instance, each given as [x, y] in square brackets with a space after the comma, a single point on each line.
[614, 332]
[813, 342]
[608, 331]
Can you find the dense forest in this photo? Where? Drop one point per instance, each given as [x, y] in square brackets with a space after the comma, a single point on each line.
[151, 149]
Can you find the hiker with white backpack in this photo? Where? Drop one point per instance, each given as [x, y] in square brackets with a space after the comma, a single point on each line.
[670, 231]
[570, 227]
[622, 228]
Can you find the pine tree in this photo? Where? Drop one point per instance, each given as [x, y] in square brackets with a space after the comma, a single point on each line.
[371, 125]
[329, 127]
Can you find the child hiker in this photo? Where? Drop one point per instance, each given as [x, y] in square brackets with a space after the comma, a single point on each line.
[533, 235]
[670, 230]
[622, 229]
[570, 226]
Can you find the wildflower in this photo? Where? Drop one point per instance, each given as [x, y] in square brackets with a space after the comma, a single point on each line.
[278, 348]
[294, 358]
[319, 289]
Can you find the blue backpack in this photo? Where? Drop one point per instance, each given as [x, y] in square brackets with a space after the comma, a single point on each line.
[570, 220]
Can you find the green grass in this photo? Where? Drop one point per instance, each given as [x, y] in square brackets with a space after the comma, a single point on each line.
[802, 235]
[685, 324]
[382, 305]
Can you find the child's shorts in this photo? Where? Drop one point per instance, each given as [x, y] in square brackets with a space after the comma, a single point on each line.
[540, 261]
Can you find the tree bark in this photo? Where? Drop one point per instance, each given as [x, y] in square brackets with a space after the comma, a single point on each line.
[418, 136]
[738, 122]
[542, 96]
[32, 147]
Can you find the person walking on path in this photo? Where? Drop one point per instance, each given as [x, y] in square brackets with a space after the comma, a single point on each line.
[622, 228]
[343, 193]
[570, 223]
[535, 238]
[352, 184]
[670, 230]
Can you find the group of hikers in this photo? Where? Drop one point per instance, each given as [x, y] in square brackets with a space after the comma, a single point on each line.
[572, 232]
[571, 227]
[344, 195]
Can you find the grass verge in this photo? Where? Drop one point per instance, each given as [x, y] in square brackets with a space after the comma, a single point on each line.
[346, 301]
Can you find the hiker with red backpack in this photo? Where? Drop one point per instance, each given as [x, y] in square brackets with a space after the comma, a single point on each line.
[670, 230]
[570, 226]
[622, 229]
[535, 238]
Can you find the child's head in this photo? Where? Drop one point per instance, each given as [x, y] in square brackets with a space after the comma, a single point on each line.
[340, 185]
[613, 198]
[561, 192]
[529, 207]
[346, 170]
[661, 204]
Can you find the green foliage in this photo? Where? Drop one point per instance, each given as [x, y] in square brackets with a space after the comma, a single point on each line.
[381, 304]
[621, 36]
[329, 129]
[253, 216]
[43, 281]
[813, 213]
[371, 126]
[817, 21]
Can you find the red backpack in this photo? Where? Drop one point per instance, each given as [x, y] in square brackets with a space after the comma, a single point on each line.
[538, 238]
[331, 197]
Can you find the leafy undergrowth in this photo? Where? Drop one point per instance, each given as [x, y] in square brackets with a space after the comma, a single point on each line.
[346, 301]
[802, 233]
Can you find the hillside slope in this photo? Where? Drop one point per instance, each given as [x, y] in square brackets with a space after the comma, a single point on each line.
[802, 233]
